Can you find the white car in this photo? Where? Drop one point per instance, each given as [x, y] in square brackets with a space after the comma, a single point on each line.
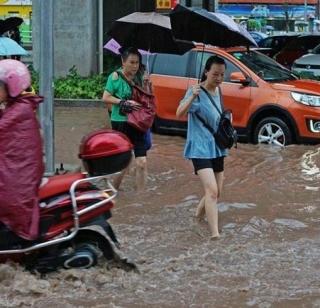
[308, 66]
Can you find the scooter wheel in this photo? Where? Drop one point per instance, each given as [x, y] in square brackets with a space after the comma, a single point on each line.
[84, 256]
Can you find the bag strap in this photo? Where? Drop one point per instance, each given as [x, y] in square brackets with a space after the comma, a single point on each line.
[211, 99]
[133, 85]
[208, 127]
[124, 78]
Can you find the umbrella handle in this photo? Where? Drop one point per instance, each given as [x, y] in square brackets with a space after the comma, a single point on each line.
[199, 76]
[148, 71]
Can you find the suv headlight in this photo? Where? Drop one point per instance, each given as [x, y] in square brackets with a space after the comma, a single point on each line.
[306, 99]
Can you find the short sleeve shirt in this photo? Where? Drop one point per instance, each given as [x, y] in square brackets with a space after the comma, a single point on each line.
[200, 142]
[119, 88]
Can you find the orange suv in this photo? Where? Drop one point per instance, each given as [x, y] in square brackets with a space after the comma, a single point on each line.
[269, 103]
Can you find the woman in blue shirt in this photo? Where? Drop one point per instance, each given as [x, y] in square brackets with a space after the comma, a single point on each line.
[207, 157]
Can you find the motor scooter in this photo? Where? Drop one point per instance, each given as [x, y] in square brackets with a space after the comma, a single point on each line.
[74, 211]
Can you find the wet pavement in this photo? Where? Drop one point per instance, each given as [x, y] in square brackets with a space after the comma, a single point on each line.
[268, 254]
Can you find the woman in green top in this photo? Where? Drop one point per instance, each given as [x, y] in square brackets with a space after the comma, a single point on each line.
[118, 94]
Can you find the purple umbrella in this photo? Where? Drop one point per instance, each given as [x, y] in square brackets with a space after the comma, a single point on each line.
[114, 46]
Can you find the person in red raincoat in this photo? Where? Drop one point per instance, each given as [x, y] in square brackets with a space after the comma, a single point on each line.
[21, 159]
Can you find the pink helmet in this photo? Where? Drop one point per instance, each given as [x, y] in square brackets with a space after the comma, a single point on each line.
[15, 75]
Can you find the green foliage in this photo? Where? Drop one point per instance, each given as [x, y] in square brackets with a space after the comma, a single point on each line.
[74, 86]
[34, 78]
[263, 22]
[253, 24]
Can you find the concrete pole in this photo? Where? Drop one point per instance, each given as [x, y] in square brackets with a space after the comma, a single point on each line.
[46, 82]
[100, 33]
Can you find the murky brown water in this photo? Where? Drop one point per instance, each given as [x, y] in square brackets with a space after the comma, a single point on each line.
[268, 255]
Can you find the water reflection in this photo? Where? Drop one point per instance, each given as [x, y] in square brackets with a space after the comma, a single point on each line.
[268, 254]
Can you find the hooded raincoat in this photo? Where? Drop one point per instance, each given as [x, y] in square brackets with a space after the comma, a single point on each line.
[21, 166]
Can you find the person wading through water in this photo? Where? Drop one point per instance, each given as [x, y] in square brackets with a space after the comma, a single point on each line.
[118, 94]
[207, 157]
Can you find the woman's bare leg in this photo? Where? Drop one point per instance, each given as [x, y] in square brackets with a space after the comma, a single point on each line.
[118, 179]
[201, 211]
[210, 186]
[219, 178]
[141, 173]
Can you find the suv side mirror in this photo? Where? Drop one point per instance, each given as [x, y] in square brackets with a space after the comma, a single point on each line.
[239, 77]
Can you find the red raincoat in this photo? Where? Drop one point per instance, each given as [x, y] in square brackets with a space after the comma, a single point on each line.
[21, 166]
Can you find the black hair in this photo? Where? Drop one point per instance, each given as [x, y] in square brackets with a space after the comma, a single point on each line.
[126, 52]
[212, 60]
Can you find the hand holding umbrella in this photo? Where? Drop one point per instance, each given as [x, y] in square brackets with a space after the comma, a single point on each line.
[196, 90]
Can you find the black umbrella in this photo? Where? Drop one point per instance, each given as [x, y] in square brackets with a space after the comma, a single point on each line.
[148, 31]
[10, 23]
[199, 25]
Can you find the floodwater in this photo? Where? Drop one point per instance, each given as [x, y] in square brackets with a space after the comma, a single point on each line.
[268, 254]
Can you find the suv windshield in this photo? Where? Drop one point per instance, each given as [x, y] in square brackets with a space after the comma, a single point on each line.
[263, 66]
[316, 50]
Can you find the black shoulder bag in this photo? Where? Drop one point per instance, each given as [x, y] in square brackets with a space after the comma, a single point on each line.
[225, 136]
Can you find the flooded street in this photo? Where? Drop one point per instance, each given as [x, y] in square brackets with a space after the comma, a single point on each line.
[268, 254]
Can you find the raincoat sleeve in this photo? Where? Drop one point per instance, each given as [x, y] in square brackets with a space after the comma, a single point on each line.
[195, 104]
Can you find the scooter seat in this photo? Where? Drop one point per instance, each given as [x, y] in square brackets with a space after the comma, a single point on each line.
[58, 184]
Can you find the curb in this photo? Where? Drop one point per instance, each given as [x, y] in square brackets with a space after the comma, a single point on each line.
[79, 103]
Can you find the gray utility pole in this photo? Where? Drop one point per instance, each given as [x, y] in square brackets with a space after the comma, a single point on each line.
[305, 10]
[100, 36]
[46, 82]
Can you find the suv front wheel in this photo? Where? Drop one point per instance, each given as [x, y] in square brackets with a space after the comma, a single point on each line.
[274, 131]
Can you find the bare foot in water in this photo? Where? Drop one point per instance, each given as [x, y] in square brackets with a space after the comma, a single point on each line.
[199, 218]
[215, 237]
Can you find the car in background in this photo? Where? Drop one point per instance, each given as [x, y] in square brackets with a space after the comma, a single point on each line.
[269, 103]
[258, 36]
[275, 43]
[308, 66]
[297, 48]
